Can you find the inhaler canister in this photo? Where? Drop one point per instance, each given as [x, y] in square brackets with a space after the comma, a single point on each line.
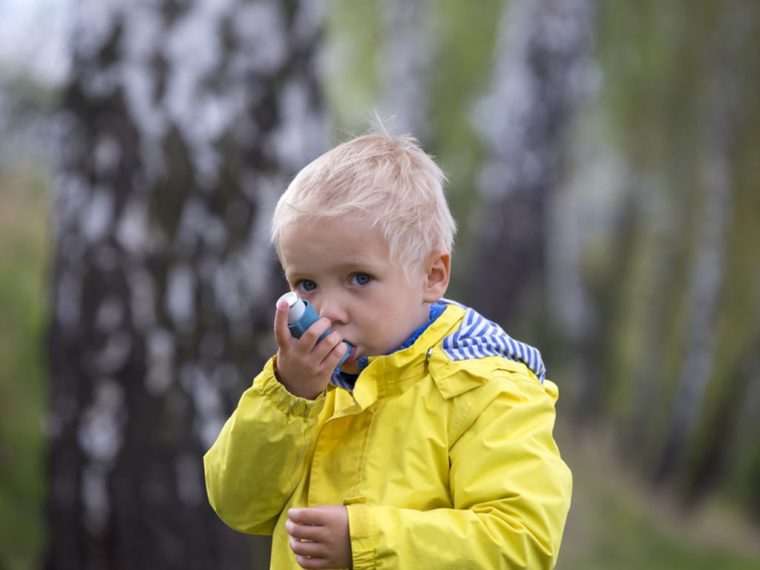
[301, 315]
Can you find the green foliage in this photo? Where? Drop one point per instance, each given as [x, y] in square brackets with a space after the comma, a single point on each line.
[461, 77]
[354, 32]
[661, 65]
[23, 257]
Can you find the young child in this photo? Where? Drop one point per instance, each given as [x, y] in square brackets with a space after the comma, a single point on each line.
[431, 446]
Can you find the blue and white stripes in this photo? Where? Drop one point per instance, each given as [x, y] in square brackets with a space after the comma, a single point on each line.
[477, 337]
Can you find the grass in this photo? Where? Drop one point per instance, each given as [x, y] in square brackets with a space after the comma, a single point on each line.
[617, 523]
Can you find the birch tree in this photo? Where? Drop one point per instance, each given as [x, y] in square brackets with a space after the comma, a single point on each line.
[706, 278]
[405, 65]
[541, 66]
[180, 124]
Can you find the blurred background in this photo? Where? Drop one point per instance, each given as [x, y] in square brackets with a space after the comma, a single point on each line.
[603, 161]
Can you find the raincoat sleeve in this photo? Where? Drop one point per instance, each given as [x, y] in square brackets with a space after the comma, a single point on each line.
[258, 457]
[509, 487]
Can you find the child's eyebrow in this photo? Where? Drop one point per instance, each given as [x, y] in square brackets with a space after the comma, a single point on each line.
[295, 275]
[359, 266]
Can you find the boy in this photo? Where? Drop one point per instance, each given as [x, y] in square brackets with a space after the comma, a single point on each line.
[431, 446]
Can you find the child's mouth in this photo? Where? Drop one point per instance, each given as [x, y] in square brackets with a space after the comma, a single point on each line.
[352, 363]
[351, 354]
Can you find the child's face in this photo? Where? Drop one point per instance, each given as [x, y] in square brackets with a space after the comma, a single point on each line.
[342, 267]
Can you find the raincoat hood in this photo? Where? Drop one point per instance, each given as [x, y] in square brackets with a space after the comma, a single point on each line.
[477, 337]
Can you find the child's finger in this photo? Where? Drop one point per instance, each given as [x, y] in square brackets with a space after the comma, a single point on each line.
[312, 533]
[313, 334]
[329, 350]
[307, 548]
[332, 359]
[313, 516]
[281, 332]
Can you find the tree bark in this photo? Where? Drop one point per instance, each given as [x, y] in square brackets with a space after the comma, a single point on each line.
[706, 281]
[405, 65]
[181, 123]
[541, 71]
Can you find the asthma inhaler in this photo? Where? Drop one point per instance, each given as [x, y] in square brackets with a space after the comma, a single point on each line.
[301, 315]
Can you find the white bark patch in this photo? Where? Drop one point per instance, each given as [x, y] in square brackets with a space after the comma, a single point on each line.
[228, 288]
[160, 362]
[143, 33]
[193, 53]
[513, 112]
[198, 226]
[107, 155]
[97, 216]
[100, 84]
[299, 136]
[132, 231]
[260, 30]
[94, 26]
[100, 428]
[406, 65]
[100, 437]
[204, 389]
[180, 296]
[141, 40]
[190, 226]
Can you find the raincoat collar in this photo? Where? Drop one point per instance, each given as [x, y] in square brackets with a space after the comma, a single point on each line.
[457, 350]
[392, 374]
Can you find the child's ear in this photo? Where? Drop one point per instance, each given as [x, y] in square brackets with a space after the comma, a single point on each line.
[437, 273]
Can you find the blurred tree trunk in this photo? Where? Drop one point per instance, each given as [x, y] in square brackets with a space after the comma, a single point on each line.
[740, 456]
[181, 124]
[679, 342]
[724, 454]
[540, 73]
[710, 249]
[405, 65]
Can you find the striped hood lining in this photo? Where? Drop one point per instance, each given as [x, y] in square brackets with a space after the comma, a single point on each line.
[477, 337]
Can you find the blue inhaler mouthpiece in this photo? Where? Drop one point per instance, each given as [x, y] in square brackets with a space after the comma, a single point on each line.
[301, 315]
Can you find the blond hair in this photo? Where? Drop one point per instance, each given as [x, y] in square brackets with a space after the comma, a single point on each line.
[387, 180]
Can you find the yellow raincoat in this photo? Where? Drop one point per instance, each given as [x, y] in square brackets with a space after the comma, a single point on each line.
[442, 463]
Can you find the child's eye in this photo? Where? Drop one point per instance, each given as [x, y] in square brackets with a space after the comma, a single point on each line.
[306, 285]
[360, 279]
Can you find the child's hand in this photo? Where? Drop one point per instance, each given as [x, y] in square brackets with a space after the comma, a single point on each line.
[319, 536]
[305, 365]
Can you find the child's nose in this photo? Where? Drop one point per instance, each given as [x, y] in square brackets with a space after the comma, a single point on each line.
[333, 309]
